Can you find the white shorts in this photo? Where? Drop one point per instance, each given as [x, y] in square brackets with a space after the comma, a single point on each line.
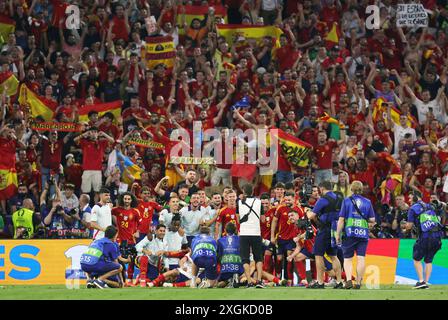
[91, 178]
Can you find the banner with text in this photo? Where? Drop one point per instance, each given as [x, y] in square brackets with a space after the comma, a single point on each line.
[411, 15]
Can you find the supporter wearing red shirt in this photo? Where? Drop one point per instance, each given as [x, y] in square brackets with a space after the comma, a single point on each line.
[323, 154]
[333, 60]
[51, 156]
[120, 24]
[287, 54]
[73, 172]
[227, 214]
[92, 158]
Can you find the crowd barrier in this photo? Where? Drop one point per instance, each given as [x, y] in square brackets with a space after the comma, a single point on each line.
[53, 262]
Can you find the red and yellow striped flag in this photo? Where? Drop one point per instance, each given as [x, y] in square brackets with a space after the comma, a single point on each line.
[230, 31]
[332, 37]
[380, 113]
[8, 182]
[159, 50]
[328, 119]
[113, 107]
[295, 151]
[199, 12]
[7, 26]
[9, 80]
[39, 106]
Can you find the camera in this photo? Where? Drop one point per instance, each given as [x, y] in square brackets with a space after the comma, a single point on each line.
[305, 224]
[51, 181]
[127, 250]
[72, 212]
[439, 207]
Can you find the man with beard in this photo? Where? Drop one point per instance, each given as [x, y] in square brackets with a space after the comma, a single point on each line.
[212, 210]
[192, 217]
[127, 219]
[286, 233]
[190, 182]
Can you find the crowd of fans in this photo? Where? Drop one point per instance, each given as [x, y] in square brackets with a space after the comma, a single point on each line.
[290, 86]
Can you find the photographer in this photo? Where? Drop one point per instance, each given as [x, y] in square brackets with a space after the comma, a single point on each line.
[58, 221]
[25, 220]
[423, 218]
[325, 215]
[100, 261]
[400, 213]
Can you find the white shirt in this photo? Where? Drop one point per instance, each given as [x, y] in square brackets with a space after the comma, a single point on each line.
[190, 220]
[154, 246]
[211, 213]
[399, 133]
[423, 109]
[173, 242]
[165, 217]
[103, 217]
[251, 227]
[268, 5]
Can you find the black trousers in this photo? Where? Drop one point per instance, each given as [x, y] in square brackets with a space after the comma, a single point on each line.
[251, 242]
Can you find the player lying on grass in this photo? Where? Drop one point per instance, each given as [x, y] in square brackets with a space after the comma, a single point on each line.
[270, 279]
[180, 277]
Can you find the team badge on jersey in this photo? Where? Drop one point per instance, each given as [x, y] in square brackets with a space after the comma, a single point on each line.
[125, 218]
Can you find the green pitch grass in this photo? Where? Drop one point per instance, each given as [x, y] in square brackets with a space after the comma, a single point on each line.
[62, 293]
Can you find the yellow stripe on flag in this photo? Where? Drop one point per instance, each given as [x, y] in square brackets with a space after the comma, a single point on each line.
[159, 50]
[333, 35]
[230, 31]
[11, 83]
[7, 26]
[113, 107]
[39, 106]
[296, 151]
[199, 12]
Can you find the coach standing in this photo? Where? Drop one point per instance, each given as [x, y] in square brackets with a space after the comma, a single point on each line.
[250, 210]
[357, 216]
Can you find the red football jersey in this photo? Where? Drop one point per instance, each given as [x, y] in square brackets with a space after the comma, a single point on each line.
[225, 216]
[266, 226]
[286, 229]
[146, 213]
[127, 222]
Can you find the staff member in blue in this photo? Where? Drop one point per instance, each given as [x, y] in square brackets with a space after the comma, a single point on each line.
[429, 240]
[229, 257]
[204, 255]
[357, 216]
[100, 261]
[325, 215]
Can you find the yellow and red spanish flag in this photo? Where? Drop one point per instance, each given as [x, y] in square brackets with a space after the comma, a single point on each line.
[9, 80]
[159, 50]
[328, 119]
[8, 182]
[295, 151]
[113, 107]
[7, 25]
[230, 31]
[332, 37]
[39, 106]
[199, 12]
[380, 113]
